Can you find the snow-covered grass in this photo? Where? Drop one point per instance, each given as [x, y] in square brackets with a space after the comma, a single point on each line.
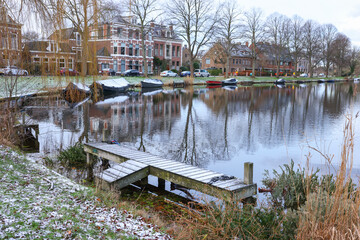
[37, 203]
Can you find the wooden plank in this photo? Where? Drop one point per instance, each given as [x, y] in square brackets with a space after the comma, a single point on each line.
[130, 166]
[153, 162]
[167, 164]
[139, 164]
[131, 178]
[171, 168]
[189, 171]
[226, 182]
[119, 170]
[207, 178]
[204, 175]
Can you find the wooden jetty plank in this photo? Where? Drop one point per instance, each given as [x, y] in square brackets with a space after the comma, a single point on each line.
[122, 169]
[226, 182]
[139, 164]
[178, 173]
[206, 176]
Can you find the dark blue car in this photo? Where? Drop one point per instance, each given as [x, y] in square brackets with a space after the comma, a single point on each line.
[185, 74]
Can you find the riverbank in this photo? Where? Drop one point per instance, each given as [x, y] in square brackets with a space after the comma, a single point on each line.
[30, 85]
[37, 203]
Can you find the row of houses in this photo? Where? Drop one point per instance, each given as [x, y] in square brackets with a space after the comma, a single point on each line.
[113, 45]
[117, 45]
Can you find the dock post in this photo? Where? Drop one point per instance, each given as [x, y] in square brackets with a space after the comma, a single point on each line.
[161, 183]
[90, 165]
[248, 172]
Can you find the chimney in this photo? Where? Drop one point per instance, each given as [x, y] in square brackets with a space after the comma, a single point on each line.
[247, 44]
[171, 27]
[152, 24]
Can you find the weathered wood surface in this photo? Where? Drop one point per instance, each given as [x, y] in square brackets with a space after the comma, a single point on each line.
[186, 175]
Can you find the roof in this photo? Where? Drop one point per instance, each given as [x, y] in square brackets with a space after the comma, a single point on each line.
[5, 18]
[103, 52]
[269, 51]
[63, 34]
[241, 51]
[160, 31]
[43, 46]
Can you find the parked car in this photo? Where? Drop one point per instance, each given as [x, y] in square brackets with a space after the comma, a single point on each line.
[304, 75]
[107, 71]
[13, 70]
[321, 75]
[201, 73]
[130, 73]
[185, 74]
[68, 72]
[168, 73]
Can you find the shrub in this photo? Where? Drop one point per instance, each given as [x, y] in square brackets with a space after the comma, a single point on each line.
[73, 157]
[215, 72]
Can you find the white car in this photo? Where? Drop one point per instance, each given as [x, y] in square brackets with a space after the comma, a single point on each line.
[201, 73]
[168, 73]
[304, 75]
[13, 70]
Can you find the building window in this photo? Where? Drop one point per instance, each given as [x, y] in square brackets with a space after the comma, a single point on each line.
[130, 50]
[46, 60]
[62, 62]
[14, 44]
[137, 35]
[233, 61]
[130, 34]
[37, 60]
[115, 50]
[167, 50]
[178, 51]
[173, 63]
[101, 32]
[137, 65]
[122, 49]
[149, 67]
[161, 50]
[150, 36]
[122, 65]
[173, 51]
[149, 51]
[130, 64]
[119, 32]
[177, 63]
[156, 50]
[207, 61]
[137, 50]
[70, 63]
[78, 39]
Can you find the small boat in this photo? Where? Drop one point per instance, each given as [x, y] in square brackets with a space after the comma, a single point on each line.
[230, 88]
[280, 81]
[230, 81]
[151, 83]
[75, 92]
[151, 91]
[330, 80]
[356, 80]
[321, 80]
[213, 82]
[110, 86]
[300, 81]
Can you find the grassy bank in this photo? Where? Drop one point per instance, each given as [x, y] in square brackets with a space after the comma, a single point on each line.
[37, 203]
[24, 85]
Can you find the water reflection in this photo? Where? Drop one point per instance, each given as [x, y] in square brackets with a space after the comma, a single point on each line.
[217, 128]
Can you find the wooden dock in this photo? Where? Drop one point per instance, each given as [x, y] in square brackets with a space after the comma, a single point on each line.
[135, 165]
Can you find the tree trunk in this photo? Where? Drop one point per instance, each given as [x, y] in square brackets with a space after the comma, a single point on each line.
[227, 66]
[145, 70]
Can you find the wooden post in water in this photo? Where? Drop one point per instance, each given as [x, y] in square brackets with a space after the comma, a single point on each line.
[161, 184]
[248, 172]
[89, 163]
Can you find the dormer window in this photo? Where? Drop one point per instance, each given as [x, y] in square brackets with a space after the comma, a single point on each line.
[78, 39]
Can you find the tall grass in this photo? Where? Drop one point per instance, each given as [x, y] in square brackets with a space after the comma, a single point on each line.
[303, 205]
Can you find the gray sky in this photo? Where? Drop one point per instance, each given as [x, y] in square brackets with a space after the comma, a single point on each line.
[343, 14]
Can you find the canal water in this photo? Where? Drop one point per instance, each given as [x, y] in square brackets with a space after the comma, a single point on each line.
[217, 128]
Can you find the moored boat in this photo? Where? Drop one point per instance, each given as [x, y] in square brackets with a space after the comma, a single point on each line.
[151, 83]
[75, 92]
[280, 81]
[109, 86]
[213, 82]
[230, 81]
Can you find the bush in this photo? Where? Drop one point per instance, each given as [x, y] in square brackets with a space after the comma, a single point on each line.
[73, 157]
[215, 72]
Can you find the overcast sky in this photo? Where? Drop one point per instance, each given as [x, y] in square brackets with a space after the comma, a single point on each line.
[344, 14]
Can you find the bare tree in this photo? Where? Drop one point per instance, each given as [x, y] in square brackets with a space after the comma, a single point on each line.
[311, 43]
[253, 31]
[30, 36]
[229, 30]
[195, 22]
[354, 59]
[295, 43]
[342, 49]
[328, 33]
[277, 29]
[145, 11]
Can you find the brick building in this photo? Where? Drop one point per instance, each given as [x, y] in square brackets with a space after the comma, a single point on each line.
[10, 40]
[118, 45]
[167, 46]
[240, 59]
